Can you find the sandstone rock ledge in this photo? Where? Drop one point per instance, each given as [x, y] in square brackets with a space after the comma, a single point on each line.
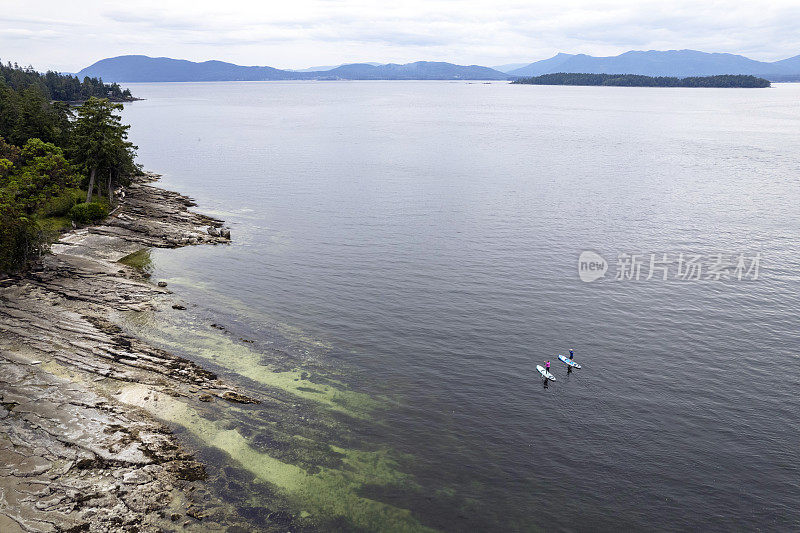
[73, 455]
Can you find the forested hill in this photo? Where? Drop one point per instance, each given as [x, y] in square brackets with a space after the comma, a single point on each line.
[634, 80]
[62, 87]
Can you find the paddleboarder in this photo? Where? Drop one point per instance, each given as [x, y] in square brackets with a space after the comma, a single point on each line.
[571, 354]
[547, 366]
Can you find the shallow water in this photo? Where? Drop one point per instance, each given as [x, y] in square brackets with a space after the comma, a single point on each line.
[412, 248]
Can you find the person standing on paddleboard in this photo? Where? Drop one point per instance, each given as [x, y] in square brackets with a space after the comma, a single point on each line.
[571, 355]
[547, 366]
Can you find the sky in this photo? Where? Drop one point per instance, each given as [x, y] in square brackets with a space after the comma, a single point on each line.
[68, 36]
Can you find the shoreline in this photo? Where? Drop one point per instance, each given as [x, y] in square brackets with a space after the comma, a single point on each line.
[76, 451]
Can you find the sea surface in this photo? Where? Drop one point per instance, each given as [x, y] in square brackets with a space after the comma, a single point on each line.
[405, 253]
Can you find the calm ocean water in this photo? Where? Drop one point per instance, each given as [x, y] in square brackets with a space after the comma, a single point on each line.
[421, 239]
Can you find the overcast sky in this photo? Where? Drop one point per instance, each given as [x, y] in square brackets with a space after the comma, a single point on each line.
[68, 36]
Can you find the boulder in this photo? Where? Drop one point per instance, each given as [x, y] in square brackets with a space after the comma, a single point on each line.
[214, 232]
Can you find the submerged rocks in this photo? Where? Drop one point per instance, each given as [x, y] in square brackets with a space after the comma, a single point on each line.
[162, 283]
[188, 470]
[235, 397]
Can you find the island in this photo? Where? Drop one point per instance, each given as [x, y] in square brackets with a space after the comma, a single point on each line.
[636, 80]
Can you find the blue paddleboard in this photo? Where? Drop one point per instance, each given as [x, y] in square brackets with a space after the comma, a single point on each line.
[568, 361]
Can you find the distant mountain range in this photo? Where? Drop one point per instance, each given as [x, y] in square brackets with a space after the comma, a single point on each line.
[143, 69]
[328, 67]
[677, 63]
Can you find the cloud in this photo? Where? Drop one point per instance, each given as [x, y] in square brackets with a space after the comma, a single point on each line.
[25, 33]
[302, 32]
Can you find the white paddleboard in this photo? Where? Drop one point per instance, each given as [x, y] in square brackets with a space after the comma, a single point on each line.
[567, 360]
[545, 374]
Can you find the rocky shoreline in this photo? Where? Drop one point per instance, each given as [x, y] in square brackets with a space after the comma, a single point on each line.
[75, 452]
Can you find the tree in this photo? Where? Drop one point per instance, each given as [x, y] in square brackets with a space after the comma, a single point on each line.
[9, 151]
[18, 233]
[100, 141]
[37, 173]
[29, 114]
[43, 173]
[122, 162]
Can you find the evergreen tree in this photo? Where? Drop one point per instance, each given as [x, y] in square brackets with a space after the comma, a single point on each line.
[99, 141]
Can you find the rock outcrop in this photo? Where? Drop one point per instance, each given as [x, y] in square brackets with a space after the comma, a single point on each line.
[73, 455]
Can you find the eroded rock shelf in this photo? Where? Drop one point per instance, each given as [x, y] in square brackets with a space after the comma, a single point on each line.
[74, 454]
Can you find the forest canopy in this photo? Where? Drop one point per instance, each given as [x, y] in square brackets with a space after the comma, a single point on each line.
[636, 80]
[63, 87]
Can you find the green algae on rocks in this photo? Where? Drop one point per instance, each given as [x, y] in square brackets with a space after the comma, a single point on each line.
[328, 495]
[139, 260]
[179, 334]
